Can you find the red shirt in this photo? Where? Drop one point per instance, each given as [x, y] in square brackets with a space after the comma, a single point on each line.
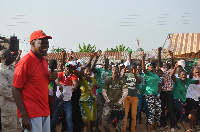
[32, 77]
[68, 81]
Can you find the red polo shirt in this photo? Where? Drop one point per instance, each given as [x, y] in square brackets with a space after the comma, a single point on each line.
[67, 80]
[32, 77]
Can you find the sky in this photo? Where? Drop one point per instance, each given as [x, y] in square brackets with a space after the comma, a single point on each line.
[103, 23]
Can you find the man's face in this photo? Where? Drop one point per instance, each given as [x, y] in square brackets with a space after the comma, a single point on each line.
[115, 71]
[183, 75]
[196, 71]
[139, 69]
[87, 72]
[68, 70]
[150, 68]
[41, 46]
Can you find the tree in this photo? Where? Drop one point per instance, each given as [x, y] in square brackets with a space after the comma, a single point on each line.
[120, 48]
[88, 48]
[57, 50]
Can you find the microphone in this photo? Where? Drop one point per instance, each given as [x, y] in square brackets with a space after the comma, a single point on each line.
[52, 64]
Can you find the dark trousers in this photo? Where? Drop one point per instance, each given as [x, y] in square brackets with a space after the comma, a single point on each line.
[180, 108]
[76, 111]
[167, 100]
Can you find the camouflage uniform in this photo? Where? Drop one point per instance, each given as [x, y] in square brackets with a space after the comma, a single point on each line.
[114, 93]
[9, 119]
[106, 118]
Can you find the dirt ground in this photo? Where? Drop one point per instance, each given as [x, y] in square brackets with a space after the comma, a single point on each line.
[141, 127]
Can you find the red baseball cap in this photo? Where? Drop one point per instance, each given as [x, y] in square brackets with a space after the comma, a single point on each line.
[38, 35]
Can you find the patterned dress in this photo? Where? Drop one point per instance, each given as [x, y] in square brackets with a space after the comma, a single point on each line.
[87, 100]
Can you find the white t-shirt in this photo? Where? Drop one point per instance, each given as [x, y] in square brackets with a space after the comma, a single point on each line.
[193, 90]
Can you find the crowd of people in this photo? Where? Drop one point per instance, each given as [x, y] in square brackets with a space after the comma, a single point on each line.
[36, 97]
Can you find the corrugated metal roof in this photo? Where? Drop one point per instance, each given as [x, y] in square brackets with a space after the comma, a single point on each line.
[112, 56]
[184, 43]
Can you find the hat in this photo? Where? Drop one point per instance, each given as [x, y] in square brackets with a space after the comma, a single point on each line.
[38, 35]
[149, 64]
[82, 62]
[181, 62]
[72, 63]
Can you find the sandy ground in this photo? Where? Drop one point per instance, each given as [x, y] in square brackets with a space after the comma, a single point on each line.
[139, 128]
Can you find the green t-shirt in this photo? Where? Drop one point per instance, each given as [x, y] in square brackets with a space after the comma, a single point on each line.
[102, 74]
[180, 88]
[131, 84]
[142, 85]
[114, 88]
[152, 81]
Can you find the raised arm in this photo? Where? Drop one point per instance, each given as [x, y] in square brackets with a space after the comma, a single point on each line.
[172, 59]
[129, 57]
[123, 72]
[159, 57]
[63, 57]
[70, 56]
[173, 72]
[143, 63]
[81, 73]
[138, 80]
[95, 61]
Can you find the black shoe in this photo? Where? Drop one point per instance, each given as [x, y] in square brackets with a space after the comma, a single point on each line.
[177, 127]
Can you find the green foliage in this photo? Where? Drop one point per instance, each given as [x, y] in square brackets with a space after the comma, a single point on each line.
[57, 50]
[120, 48]
[88, 48]
[99, 50]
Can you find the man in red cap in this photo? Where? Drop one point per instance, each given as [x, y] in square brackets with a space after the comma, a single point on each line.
[30, 85]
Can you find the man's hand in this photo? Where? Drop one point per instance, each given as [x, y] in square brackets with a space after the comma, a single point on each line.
[97, 86]
[160, 48]
[143, 54]
[71, 53]
[118, 106]
[63, 52]
[60, 87]
[26, 123]
[111, 105]
[53, 76]
[97, 56]
[74, 89]
[176, 65]
[19, 52]
[93, 55]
